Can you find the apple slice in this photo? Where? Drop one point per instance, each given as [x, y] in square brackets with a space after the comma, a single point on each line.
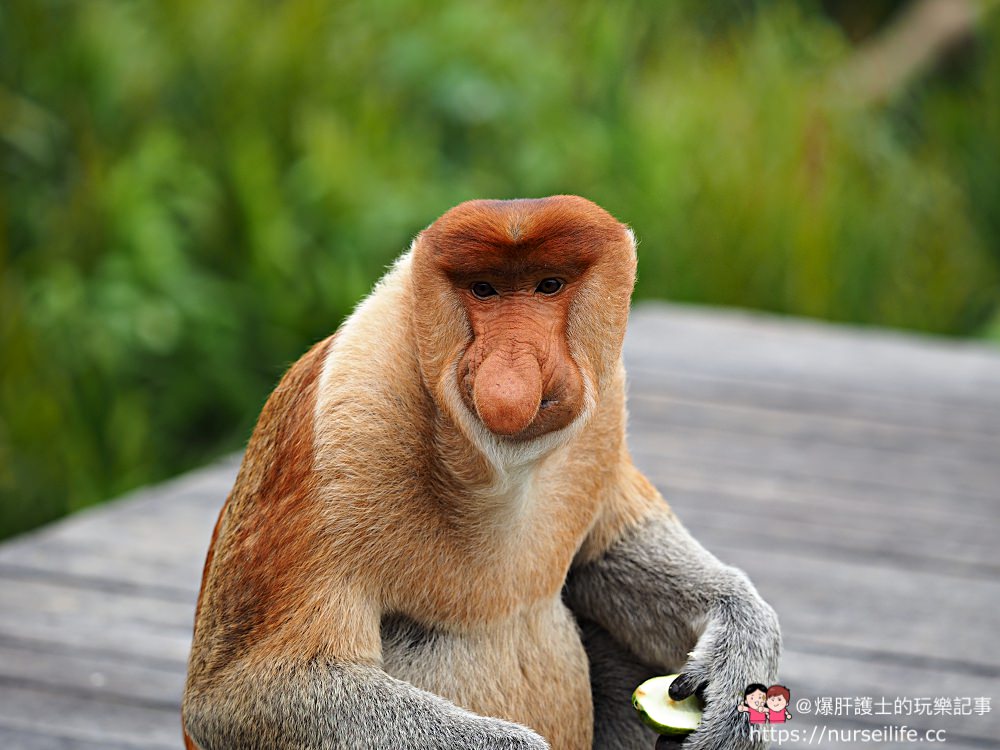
[657, 709]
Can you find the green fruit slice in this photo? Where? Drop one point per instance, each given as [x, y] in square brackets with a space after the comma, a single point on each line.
[661, 712]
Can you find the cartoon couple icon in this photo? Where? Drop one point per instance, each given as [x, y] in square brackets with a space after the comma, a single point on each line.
[766, 704]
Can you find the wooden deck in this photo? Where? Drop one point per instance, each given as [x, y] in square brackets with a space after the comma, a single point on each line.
[855, 475]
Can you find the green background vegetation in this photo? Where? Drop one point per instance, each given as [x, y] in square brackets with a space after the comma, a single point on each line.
[194, 191]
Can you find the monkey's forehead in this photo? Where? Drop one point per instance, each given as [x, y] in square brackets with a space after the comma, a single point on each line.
[562, 229]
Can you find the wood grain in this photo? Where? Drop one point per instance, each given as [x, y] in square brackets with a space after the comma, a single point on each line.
[854, 474]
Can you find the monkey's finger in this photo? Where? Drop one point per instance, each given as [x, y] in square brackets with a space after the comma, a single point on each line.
[684, 685]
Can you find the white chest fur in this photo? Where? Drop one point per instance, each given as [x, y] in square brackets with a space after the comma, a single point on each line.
[530, 668]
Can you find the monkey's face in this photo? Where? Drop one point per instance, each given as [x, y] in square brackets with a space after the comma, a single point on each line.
[517, 373]
[540, 289]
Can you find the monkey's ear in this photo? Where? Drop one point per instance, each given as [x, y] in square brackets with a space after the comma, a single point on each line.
[633, 241]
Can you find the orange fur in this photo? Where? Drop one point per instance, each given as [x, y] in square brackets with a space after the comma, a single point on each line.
[372, 486]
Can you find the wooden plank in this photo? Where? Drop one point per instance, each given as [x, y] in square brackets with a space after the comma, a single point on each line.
[803, 516]
[810, 676]
[920, 606]
[124, 681]
[29, 739]
[731, 483]
[74, 718]
[84, 618]
[769, 348]
[736, 480]
[854, 604]
[666, 412]
[120, 652]
[805, 397]
[943, 477]
[154, 538]
[128, 570]
[168, 524]
[846, 521]
[835, 532]
[54, 601]
[88, 569]
[853, 475]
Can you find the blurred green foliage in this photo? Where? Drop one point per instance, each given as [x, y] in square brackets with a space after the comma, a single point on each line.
[194, 191]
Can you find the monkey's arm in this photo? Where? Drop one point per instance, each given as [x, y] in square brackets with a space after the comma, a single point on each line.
[642, 577]
[282, 694]
[322, 703]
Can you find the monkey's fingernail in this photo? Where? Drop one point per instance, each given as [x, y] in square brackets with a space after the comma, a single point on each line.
[681, 687]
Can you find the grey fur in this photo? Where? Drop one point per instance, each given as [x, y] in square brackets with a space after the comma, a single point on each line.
[614, 675]
[641, 607]
[325, 705]
[661, 594]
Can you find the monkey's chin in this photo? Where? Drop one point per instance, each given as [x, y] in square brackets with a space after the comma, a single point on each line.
[552, 417]
[551, 427]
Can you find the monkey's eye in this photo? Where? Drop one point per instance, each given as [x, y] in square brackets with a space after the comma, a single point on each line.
[483, 290]
[549, 286]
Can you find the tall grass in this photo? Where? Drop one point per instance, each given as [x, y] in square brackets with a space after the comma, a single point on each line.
[194, 191]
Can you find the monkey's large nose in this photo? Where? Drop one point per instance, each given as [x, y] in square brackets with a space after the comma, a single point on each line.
[507, 391]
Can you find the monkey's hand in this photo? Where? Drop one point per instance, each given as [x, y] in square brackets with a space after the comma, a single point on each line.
[337, 706]
[659, 593]
[739, 646]
[505, 735]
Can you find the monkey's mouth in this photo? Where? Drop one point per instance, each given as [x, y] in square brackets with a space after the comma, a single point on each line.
[504, 404]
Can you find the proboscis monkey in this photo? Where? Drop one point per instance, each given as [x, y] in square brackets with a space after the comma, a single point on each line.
[437, 538]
